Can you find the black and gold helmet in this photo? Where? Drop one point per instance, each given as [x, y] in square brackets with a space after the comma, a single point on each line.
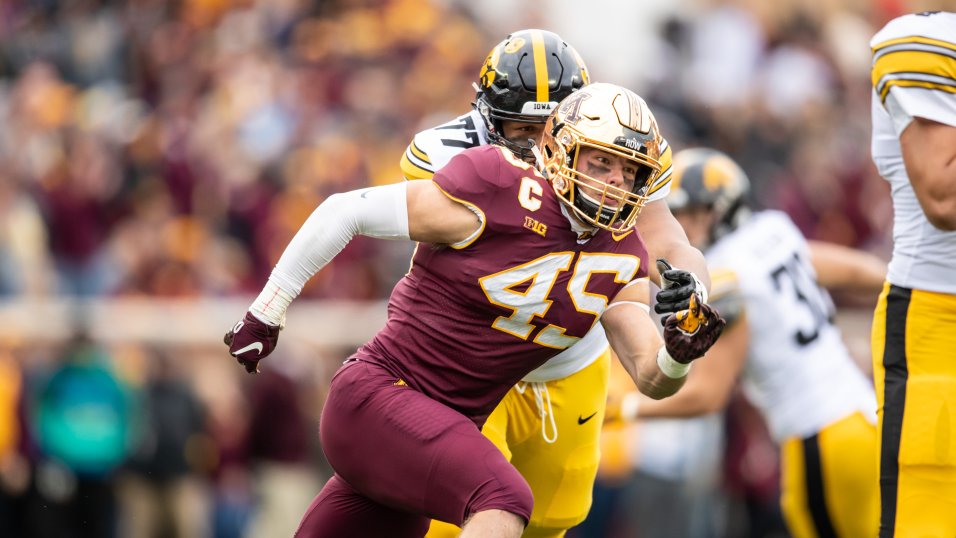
[710, 179]
[609, 118]
[523, 79]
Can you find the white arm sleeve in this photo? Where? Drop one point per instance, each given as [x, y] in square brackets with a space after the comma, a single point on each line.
[375, 212]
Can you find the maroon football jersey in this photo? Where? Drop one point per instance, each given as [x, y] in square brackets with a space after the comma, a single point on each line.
[467, 322]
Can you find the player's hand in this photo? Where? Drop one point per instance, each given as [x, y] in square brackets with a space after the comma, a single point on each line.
[690, 333]
[677, 287]
[251, 340]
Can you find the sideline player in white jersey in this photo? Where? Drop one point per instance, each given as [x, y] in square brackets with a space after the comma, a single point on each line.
[914, 328]
[549, 425]
[795, 369]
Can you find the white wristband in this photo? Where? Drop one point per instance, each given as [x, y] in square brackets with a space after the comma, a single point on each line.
[271, 304]
[669, 366]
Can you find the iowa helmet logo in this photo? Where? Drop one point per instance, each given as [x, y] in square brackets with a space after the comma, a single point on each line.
[490, 68]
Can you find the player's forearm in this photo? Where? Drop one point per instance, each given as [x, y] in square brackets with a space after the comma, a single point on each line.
[635, 341]
[654, 382]
[376, 212]
[689, 402]
[682, 255]
[841, 267]
[665, 238]
[647, 375]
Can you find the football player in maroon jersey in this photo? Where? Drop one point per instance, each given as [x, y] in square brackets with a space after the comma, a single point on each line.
[549, 424]
[515, 263]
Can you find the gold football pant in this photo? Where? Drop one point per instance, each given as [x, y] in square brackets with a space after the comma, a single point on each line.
[914, 370]
[829, 481]
[550, 432]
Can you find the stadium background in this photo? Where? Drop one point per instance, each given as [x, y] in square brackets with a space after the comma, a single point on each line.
[155, 158]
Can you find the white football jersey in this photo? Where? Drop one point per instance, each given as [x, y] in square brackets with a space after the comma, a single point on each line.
[431, 149]
[914, 74]
[798, 371]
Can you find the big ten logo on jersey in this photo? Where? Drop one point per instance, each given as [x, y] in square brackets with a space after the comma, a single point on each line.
[464, 131]
[539, 228]
[529, 196]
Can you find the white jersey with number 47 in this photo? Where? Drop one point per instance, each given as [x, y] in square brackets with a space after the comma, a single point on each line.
[798, 371]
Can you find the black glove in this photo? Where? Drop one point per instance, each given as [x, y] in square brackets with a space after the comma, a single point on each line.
[251, 340]
[689, 334]
[677, 286]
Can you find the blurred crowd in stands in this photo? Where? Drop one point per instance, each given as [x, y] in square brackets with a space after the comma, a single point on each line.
[170, 149]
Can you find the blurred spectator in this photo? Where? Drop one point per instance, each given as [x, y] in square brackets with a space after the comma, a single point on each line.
[24, 258]
[227, 422]
[83, 418]
[161, 491]
[751, 474]
[282, 452]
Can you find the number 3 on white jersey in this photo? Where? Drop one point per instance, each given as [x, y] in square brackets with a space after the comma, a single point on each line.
[524, 290]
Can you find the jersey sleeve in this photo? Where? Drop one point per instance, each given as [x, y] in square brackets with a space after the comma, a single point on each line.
[434, 148]
[662, 185]
[416, 164]
[470, 179]
[914, 68]
[472, 175]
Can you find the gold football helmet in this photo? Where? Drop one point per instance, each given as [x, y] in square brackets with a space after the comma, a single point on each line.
[612, 119]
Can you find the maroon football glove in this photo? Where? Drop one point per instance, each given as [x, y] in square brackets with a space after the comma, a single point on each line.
[250, 341]
[690, 333]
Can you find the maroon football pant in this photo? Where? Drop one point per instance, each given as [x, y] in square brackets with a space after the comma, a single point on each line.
[401, 459]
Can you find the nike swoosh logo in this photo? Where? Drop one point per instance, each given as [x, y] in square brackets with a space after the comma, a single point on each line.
[364, 193]
[582, 420]
[618, 237]
[255, 345]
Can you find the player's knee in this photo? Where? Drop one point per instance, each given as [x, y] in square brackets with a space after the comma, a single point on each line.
[508, 492]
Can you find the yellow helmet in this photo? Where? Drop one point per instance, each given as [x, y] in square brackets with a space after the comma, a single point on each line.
[609, 118]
